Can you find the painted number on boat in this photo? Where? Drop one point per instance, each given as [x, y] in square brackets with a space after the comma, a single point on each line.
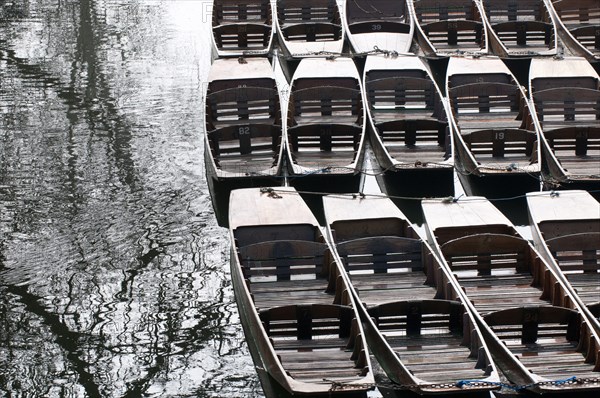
[376, 27]
[500, 136]
[245, 130]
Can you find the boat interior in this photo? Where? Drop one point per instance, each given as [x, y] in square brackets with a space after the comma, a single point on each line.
[451, 25]
[309, 20]
[494, 119]
[409, 299]
[316, 336]
[575, 245]
[549, 341]
[242, 24]
[523, 26]
[244, 125]
[521, 300]
[325, 121]
[408, 115]
[582, 19]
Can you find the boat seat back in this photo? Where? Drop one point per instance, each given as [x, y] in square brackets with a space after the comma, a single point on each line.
[303, 11]
[353, 229]
[251, 104]
[306, 322]
[500, 143]
[242, 36]
[245, 139]
[248, 235]
[495, 99]
[429, 11]
[326, 101]
[282, 260]
[531, 323]
[402, 94]
[326, 137]
[414, 317]
[577, 252]
[589, 37]
[486, 253]
[499, 11]
[381, 254]
[233, 11]
[577, 13]
[581, 141]
[457, 34]
[559, 107]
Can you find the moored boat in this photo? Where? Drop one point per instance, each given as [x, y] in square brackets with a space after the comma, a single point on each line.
[566, 230]
[325, 126]
[409, 130]
[378, 25]
[415, 324]
[444, 28]
[535, 329]
[242, 27]
[299, 319]
[307, 28]
[522, 28]
[494, 133]
[566, 96]
[243, 128]
[578, 23]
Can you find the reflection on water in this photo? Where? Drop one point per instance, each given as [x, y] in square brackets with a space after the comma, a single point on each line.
[113, 272]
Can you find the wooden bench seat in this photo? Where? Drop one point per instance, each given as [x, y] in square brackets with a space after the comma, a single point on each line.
[381, 254]
[312, 31]
[525, 34]
[492, 144]
[577, 13]
[282, 259]
[242, 105]
[324, 137]
[499, 11]
[563, 107]
[242, 36]
[462, 34]
[588, 36]
[245, 139]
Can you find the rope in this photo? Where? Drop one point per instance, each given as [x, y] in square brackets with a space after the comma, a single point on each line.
[466, 384]
[449, 199]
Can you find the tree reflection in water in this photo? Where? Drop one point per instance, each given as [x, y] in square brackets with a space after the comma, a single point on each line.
[113, 273]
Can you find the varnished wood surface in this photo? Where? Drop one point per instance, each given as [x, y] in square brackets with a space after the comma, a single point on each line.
[392, 271]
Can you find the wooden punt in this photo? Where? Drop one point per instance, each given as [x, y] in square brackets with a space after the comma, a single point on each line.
[414, 321]
[578, 23]
[521, 28]
[534, 327]
[450, 27]
[242, 27]
[307, 28]
[566, 96]
[325, 126]
[566, 231]
[297, 312]
[378, 24]
[409, 130]
[495, 135]
[243, 129]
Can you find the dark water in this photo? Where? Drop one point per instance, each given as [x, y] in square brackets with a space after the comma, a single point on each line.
[113, 272]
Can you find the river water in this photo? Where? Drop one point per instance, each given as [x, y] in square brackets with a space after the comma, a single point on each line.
[114, 276]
